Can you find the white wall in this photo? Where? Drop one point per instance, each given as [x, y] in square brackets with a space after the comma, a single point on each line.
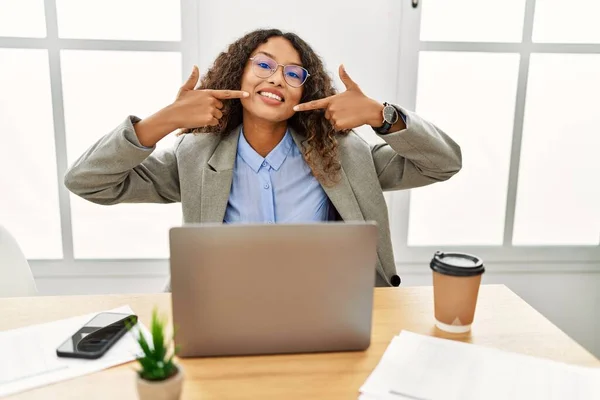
[571, 300]
[365, 39]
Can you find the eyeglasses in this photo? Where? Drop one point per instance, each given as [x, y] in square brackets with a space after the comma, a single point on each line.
[264, 67]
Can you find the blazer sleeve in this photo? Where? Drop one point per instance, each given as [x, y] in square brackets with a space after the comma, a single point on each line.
[416, 156]
[118, 169]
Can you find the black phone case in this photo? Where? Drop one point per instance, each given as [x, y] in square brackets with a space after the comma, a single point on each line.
[98, 354]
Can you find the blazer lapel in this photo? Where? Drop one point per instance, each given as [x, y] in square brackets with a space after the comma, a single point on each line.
[217, 178]
[341, 195]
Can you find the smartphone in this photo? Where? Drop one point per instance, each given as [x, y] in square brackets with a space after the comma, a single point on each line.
[97, 336]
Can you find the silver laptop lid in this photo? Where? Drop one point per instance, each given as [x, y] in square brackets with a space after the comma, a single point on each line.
[263, 289]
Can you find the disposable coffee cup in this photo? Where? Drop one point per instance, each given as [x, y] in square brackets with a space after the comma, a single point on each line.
[456, 281]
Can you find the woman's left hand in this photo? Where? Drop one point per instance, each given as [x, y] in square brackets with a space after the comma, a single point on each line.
[349, 109]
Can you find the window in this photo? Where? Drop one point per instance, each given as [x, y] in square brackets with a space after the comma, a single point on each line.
[22, 18]
[159, 20]
[516, 83]
[558, 21]
[486, 84]
[558, 195]
[90, 65]
[134, 82]
[29, 205]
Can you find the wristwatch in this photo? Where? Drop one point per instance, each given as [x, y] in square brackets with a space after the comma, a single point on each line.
[390, 117]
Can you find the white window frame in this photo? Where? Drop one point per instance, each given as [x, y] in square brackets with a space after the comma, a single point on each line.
[408, 61]
[188, 47]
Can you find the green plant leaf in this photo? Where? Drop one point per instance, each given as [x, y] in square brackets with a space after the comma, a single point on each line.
[144, 345]
[158, 335]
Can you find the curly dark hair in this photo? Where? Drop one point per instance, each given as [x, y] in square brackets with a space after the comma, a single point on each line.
[319, 146]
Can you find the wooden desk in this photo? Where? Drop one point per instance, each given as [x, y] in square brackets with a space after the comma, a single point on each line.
[503, 320]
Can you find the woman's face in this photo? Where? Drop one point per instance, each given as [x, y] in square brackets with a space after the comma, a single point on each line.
[263, 102]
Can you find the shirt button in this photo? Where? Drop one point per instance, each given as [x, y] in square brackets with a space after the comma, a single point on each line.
[264, 164]
[266, 186]
[271, 222]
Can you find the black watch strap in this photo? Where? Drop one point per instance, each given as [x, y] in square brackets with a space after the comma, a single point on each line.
[385, 128]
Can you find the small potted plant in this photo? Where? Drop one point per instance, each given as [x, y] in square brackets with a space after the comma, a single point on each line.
[159, 378]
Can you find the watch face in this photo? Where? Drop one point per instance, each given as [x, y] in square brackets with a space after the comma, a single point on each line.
[390, 114]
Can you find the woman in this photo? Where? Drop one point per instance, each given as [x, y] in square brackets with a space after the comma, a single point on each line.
[266, 138]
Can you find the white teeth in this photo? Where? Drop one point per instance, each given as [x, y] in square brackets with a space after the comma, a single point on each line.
[270, 95]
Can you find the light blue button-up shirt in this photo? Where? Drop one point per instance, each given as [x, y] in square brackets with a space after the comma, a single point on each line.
[278, 188]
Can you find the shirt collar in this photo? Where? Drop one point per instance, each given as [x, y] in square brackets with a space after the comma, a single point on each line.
[275, 158]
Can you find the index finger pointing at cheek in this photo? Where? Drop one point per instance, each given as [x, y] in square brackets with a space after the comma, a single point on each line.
[312, 105]
[228, 94]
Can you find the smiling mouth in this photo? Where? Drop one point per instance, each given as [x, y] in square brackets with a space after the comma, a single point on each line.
[271, 96]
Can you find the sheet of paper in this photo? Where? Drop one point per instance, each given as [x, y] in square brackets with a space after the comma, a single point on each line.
[419, 367]
[28, 355]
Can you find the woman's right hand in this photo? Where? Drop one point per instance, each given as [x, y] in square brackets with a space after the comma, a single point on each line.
[191, 109]
[196, 108]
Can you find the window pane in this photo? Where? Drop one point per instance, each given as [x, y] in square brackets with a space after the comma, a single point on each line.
[472, 20]
[119, 20]
[573, 21]
[558, 198]
[101, 88]
[122, 230]
[22, 18]
[471, 96]
[29, 202]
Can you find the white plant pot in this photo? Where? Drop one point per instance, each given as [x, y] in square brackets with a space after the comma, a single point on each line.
[169, 389]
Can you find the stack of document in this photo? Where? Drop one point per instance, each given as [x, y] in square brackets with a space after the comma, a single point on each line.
[28, 355]
[417, 367]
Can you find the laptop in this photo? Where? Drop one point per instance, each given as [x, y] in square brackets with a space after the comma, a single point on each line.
[267, 289]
